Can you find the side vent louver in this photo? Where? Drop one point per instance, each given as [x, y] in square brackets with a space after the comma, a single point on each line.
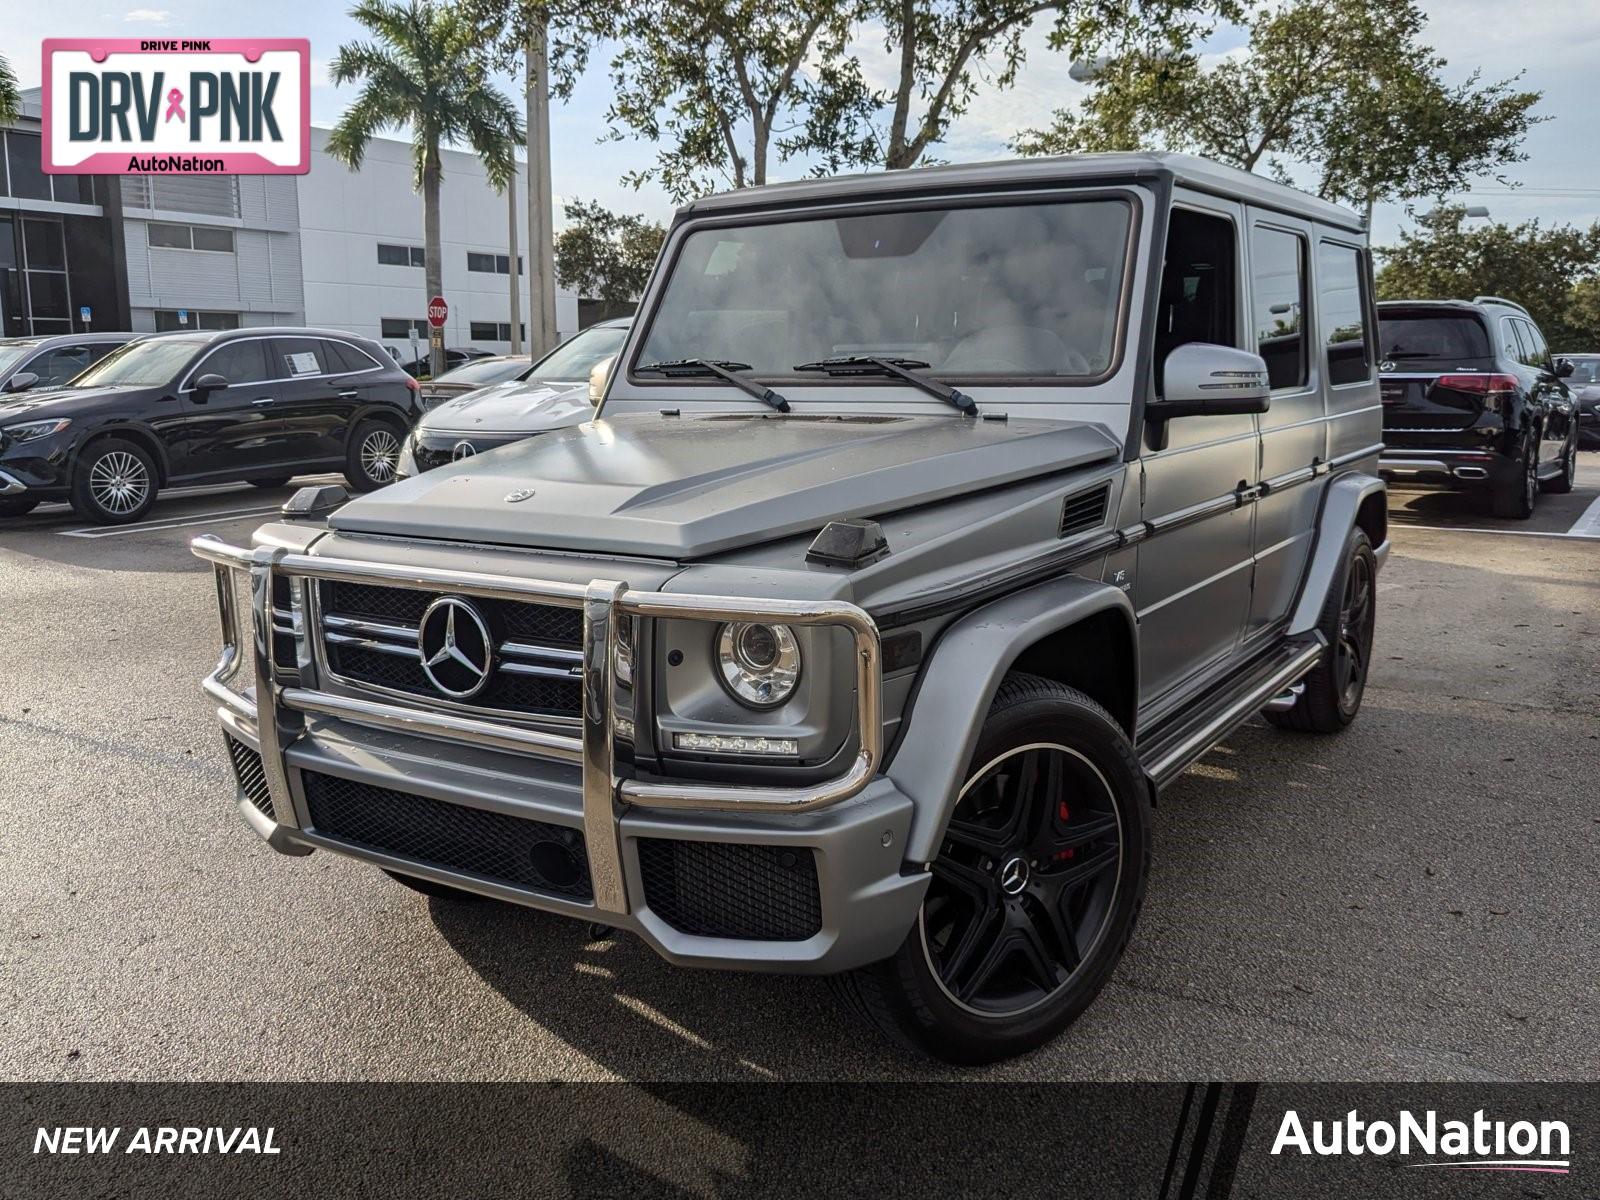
[1086, 510]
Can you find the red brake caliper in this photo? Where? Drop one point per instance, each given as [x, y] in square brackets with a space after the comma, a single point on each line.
[1063, 814]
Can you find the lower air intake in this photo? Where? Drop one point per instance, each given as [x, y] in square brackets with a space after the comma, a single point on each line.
[533, 855]
[252, 779]
[726, 890]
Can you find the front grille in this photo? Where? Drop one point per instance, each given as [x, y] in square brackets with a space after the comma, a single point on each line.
[537, 648]
[252, 779]
[533, 855]
[729, 890]
[1086, 510]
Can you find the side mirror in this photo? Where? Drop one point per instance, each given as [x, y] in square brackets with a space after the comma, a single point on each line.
[207, 384]
[1201, 379]
[20, 382]
[599, 376]
[1564, 368]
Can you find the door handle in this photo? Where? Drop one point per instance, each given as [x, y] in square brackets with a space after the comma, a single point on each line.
[349, 394]
[264, 400]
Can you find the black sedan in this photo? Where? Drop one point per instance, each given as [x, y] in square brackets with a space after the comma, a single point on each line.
[251, 405]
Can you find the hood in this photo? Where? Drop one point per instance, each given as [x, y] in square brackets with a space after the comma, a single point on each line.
[515, 406]
[684, 487]
[40, 403]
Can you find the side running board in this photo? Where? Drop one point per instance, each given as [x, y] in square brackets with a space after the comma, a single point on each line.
[1183, 738]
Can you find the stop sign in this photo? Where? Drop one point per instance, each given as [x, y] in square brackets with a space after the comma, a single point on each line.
[438, 310]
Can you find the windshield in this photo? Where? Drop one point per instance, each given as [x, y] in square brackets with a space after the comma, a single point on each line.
[142, 364]
[1017, 290]
[1585, 372]
[482, 372]
[12, 353]
[575, 358]
[1416, 341]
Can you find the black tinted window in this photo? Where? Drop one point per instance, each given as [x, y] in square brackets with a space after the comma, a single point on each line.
[1278, 298]
[1344, 313]
[238, 362]
[1538, 352]
[297, 357]
[346, 358]
[1417, 341]
[60, 365]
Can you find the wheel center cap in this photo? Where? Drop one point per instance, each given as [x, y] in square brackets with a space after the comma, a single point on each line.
[1014, 876]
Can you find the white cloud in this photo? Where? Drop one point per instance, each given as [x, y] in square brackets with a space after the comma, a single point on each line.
[149, 16]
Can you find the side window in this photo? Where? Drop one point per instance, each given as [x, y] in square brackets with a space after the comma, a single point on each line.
[300, 357]
[1344, 314]
[55, 367]
[1278, 302]
[238, 362]
[1198, 285]
[1537, 348]
[1514, 340]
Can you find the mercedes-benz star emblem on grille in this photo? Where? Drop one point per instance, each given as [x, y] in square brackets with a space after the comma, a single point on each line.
[1385, 367]
[457, 652]
[518, 495]
[462, 450]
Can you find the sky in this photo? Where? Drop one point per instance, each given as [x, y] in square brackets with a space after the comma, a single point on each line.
[1556, 43]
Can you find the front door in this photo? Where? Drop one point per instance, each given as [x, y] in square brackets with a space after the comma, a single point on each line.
[236, 431]
[1192, 587]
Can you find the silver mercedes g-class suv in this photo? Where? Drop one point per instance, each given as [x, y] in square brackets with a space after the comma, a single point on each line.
[930, 523]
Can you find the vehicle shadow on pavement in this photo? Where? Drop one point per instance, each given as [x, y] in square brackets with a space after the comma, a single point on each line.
[640, 1017]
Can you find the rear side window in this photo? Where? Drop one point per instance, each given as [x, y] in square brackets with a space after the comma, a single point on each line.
[344, 358]
[1538, 352]
[300, 357]
[1278, 300]
[1344, 314]
[1422, 339]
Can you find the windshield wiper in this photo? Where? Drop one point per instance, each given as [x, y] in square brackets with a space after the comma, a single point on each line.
[721, 368]
[904, 369]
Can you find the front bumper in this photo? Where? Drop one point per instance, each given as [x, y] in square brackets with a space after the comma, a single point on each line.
[838, 844]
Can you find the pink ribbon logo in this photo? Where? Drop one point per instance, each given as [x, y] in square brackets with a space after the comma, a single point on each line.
[175, 105]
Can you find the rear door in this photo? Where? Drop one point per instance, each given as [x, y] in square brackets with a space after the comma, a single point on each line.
[1555, 399]
[314, 405]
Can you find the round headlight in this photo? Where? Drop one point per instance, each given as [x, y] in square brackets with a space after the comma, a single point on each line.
[760, 663]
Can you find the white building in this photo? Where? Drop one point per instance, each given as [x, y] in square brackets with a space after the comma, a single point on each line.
[361, 249]
[334, 247]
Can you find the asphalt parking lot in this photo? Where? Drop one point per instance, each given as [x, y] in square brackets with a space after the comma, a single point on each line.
[1415, 899]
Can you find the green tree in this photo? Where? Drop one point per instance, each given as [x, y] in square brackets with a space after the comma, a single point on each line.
[606, 256]
[425, 71]
[1553, 272]
[1345, 86]
[10, 96]
[718, 86]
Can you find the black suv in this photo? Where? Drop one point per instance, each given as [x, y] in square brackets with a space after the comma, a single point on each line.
[258, 405]
[1585, 385]
[1472, 399]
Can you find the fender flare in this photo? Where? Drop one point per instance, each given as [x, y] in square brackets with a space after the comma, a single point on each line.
[124, 428]
[960, 680]
[1341, 504]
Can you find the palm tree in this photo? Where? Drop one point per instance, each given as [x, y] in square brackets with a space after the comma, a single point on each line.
[426, 71]
[10, 97]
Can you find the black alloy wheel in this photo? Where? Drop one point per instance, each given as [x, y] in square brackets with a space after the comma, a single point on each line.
[1024, 883]
[1034, 890]
[1333, 690]
[1357, 615]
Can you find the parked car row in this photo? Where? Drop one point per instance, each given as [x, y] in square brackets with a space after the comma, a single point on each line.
[106, 421]
[1473, 399]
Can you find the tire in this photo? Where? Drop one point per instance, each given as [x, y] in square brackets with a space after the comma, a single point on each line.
[373, 457]
[1562, 483]
[1334, 689]
[987, 972]
[277, 481]
[1515, 498]
[440, 891]
[115, 482]
[17, 506]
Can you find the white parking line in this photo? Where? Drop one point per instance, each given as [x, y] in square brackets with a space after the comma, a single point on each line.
[1587, 537]
[103, 531]
[1587, 525]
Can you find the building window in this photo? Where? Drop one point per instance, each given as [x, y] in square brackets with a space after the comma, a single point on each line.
[1344, 313]
[22, 173]
[1278, 271]
[491, 331]
[209, 195]
[167, 320]
[398, 327]
[491, 264]
[190, 237]
[390, 255]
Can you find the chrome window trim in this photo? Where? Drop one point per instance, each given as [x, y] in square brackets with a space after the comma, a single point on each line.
[194, 372]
